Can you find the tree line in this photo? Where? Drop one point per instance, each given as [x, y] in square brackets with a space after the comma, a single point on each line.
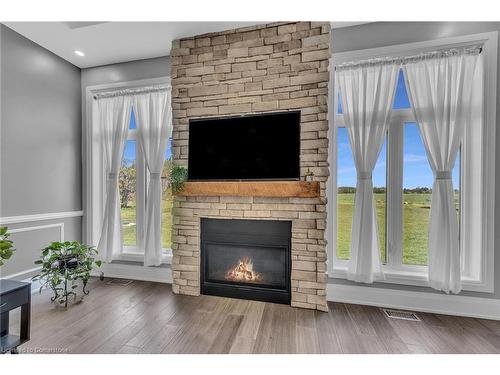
[382, 190]
[352, 190]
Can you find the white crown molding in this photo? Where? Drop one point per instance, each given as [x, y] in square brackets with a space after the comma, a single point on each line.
[437, 303]
[39, 217]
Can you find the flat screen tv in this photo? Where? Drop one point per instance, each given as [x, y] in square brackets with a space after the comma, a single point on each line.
[256, 147]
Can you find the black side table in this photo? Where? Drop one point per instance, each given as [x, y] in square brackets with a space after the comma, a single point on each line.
[14, 294]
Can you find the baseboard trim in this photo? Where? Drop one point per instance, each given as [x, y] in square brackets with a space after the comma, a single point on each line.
[115, 270]
[135, 272]
[475, 307]
[39, 217]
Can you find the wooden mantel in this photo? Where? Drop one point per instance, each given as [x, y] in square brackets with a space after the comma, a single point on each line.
[299, 189]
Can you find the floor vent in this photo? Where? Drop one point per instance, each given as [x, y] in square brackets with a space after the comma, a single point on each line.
[403, 315]
[120, 282]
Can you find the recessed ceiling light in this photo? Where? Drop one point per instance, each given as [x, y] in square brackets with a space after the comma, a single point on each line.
[79, 53]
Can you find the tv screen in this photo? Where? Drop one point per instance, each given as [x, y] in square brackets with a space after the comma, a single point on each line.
[257, 147]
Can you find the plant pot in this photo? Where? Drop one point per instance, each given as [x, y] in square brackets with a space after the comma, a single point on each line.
[68, 261]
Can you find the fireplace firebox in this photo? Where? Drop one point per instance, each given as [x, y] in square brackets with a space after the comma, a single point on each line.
[249, 259]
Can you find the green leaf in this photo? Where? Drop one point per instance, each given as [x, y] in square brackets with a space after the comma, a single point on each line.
[5, 244]
[178, 175]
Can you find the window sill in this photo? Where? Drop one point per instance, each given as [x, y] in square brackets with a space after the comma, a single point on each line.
[416, 276]
[130, 254]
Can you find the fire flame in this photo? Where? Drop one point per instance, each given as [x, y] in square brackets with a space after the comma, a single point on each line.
[243, 271]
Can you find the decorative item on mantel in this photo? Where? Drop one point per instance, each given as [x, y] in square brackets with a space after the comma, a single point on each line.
[309, 175]
[64, 266]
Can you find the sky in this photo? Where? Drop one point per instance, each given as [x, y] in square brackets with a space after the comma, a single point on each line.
[130, 147]
[416, 169]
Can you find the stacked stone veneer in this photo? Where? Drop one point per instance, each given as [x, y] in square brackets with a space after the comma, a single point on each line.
[275, 67]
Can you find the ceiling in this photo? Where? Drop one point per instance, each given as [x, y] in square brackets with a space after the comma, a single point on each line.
[113, 42]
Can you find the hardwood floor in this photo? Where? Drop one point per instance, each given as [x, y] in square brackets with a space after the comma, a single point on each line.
[146, 317]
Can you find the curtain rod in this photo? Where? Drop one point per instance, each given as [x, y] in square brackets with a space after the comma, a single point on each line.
[133, 91]
[402, 60]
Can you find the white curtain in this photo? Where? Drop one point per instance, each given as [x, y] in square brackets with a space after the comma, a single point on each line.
[114, 119]
[367, 93]
[154, 124]
[440, 93]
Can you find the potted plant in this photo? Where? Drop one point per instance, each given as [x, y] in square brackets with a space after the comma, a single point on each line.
[6, 245]
[178, 175]
[66, 265]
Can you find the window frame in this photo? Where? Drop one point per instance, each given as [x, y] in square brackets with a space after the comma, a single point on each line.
[94, 175]
[396, 272]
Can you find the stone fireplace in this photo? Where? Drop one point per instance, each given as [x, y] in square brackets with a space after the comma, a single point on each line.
[269, 68]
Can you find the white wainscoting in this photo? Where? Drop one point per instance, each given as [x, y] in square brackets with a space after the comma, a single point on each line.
[438, 303]
[39, 217]
[36, 218]
[33, 228]
[39, 227]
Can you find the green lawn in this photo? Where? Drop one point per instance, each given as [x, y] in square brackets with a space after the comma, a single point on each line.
[345, 210]
[129, 222]
[416, 209]
[415, 225]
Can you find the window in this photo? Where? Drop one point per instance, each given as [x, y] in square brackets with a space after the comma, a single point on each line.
[403, 180]
[133, 194]
[128, 203]
[346, 190]
[417, 191]
[133, 180]
[167, 199]
[132, 190]
[410, 158]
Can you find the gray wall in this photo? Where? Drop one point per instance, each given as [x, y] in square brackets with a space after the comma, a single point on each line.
[129, 71]
[382, 34]
[41, 139]
[40, 167]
